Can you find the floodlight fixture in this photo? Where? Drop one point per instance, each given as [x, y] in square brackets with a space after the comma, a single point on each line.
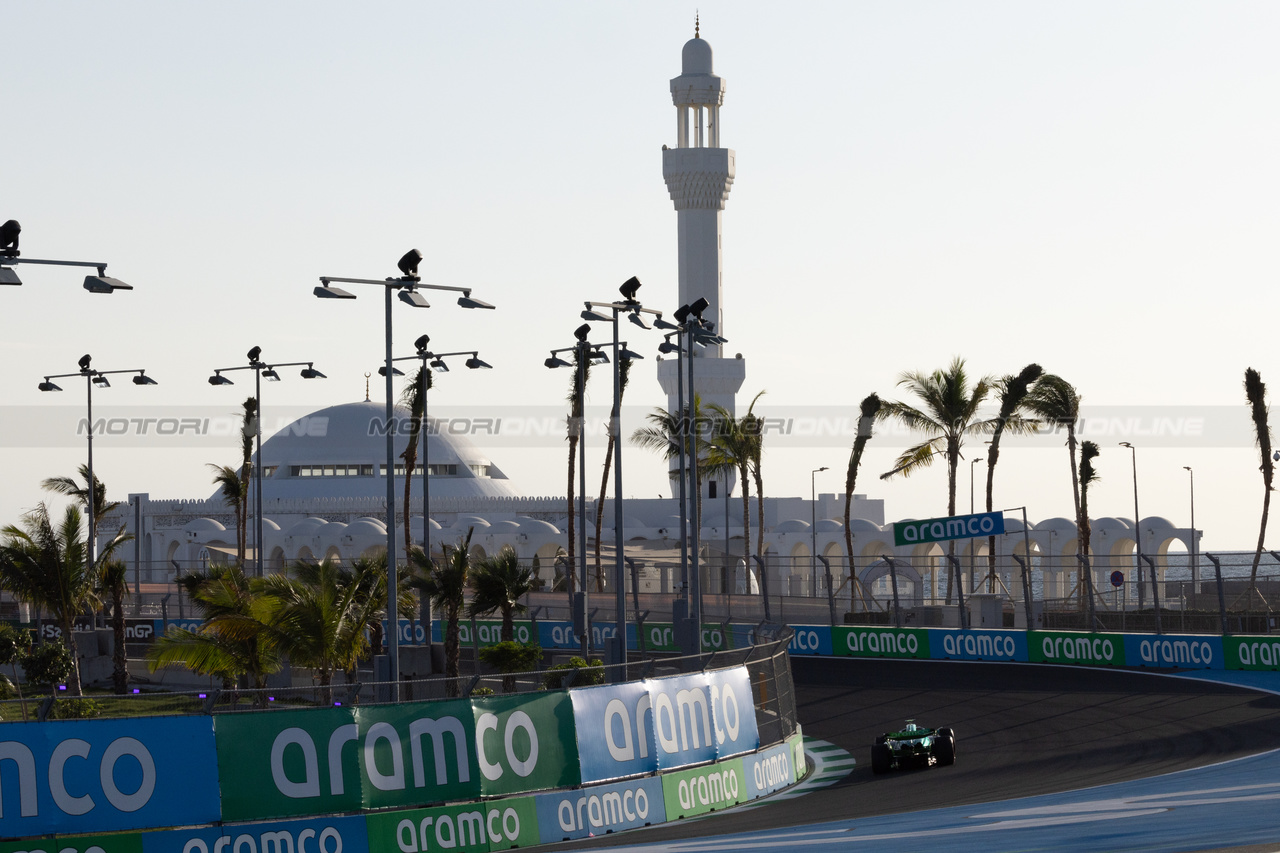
[629, 288]
[46, 385]
[599, 356]
[85, 361]
[143, 379]
[665, 325]
[476, 364]
[412, 297]
[592, 316]
[629, 355]
[101, 381]
[555, 361]
[327, 291]
[700, 304]
[636, 319]
[466, 301]
[438, 365]
[310, 372]
[270, 375]
[254, 354]
[409, 264]
[8, 275]
[382, 371]
[667, 348]
[581, 332]
[421, 344]
[102, 283]
[218, 379]
[9, 239]
[682, 314]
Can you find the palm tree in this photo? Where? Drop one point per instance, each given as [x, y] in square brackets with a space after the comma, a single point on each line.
[323, 617]
[1012, 392]
[667, 431]
[1054, 400]
[71, 488]
[753, 426]
[869, 408]
[732, 449]
[1088, 452]
[498, 584]
[113, 582]
[237, 637]
[446, 583]
[1256, 393]
[231, 485]
[949, 412]
[48, 566]
[624, 376]
[414, 399]
[248, 430]
[577, 401]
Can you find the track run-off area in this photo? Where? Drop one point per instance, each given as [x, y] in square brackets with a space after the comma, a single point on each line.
[1049, 758]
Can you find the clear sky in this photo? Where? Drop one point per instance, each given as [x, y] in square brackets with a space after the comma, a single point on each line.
[1092, 186]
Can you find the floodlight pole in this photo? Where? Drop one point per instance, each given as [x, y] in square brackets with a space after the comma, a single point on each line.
[407, 284]
[619, 646]
[257, 367]
[90, 376]
[425, 355]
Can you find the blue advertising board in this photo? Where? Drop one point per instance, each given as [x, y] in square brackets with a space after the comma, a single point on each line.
[1189, 651]
[84, 776]
[769, 770]
[977, 644]
[702, 716]
[614, 725]
[810, 640]
[599, 809]
[313, 835]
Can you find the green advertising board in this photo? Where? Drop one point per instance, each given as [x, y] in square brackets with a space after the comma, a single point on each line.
[869, 641]
[495, 825]
[123, 842]
[948, 528]
[334, 760]
[1251, 652]
[704, 789]
[1075, 647]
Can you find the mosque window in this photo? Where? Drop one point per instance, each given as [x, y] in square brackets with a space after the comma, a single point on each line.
[480, 470]
[330, 470]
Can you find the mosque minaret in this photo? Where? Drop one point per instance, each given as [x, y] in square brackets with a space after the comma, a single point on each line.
[699, 174]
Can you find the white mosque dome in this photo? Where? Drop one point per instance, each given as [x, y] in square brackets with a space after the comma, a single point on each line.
[306, 527]
[365, 527]
[862, 525]
[829, 525]
[795, 525]
[1059, 523]
[506, 525]
[340, 452]
[204, 525]
[537, 525]
[696, 57]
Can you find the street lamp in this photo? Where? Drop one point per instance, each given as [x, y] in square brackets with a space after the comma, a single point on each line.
[93, 378]
[9, 258]
[408, 285]
[430, 361]
[261, 370]
[583, 351]
[691, 330]
[1137, 519]
[634, 311]
[1195, 551]
[813, 527]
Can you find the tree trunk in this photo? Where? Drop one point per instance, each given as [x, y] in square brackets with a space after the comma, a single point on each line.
[617, 534]
[570, 539]
[69, 638]
[119, 659]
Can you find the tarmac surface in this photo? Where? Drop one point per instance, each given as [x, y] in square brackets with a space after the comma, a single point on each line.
[1021, 730]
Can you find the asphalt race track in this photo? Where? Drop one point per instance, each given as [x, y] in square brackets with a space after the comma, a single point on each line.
[1021, 730]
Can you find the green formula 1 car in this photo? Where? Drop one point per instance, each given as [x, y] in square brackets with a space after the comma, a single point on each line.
[914, 746]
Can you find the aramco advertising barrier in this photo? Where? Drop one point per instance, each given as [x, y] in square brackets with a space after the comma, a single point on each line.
[80, 776]
[491, 825]
[97, 776]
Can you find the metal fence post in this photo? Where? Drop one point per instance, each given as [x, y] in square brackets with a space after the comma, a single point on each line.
[1155, 591]
[1222, 599]
[964, 616]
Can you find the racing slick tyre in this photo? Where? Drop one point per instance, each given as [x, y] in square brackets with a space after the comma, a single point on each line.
[881, 758]
[944, 748]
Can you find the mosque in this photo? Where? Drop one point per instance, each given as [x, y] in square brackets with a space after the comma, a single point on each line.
[324, 493]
